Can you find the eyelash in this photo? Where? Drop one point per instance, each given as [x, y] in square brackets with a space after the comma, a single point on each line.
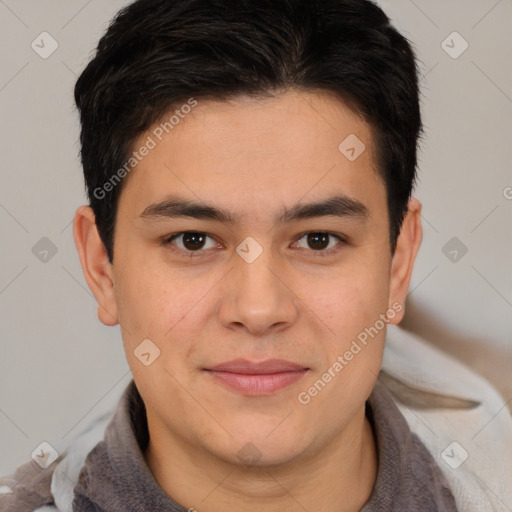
[167, 241]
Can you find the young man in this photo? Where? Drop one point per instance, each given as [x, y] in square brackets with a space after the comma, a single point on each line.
[249, 166]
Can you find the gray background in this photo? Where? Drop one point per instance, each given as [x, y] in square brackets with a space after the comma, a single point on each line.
[59, 365]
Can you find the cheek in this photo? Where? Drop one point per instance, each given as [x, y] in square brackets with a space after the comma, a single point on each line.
[352, 348]
[166, 307]
[161, 309]
[150, 299]
[351, 299]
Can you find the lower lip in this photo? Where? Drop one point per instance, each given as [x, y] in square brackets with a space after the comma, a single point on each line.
[261, 384]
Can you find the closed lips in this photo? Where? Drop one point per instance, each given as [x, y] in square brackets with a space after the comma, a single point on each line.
[257, 379]
[246, 367]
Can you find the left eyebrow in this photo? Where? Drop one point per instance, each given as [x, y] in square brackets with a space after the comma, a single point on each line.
[336, 206]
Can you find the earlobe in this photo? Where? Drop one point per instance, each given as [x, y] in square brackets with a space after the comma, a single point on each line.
[95, 265]
[408, 244]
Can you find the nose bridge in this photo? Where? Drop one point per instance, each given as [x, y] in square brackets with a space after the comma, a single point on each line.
[257, 297]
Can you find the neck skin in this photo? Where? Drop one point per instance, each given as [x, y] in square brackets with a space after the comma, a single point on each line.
[339, 477]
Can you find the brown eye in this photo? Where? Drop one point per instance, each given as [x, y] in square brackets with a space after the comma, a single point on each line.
[322, 242]
[191, 241]
[318, 241]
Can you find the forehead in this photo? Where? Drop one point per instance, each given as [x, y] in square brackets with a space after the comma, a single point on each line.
[255, 152]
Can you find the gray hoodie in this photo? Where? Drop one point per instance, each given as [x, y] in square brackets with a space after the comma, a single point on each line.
[116, 478]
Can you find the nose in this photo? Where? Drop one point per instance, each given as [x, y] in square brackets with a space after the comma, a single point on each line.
[257, 298]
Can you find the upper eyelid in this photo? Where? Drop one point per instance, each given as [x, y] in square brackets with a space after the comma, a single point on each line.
[335, 235]
[169, 238]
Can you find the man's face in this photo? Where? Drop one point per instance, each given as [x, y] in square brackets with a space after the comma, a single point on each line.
[210, 297]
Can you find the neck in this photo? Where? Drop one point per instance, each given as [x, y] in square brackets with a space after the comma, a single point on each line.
[339, 476]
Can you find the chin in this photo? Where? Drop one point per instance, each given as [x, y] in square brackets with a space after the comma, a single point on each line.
[261, 453]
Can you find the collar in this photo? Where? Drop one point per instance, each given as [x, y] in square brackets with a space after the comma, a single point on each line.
[421, 376]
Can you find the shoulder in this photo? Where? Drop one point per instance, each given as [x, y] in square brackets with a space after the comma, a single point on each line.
[28, 489]
[459, 417]
[33, 489]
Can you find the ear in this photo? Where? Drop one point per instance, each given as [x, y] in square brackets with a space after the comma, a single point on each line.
[95, 265]
[402, 263]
